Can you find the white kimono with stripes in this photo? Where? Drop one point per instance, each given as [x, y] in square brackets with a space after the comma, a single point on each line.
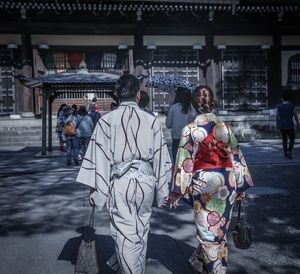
[130, 141]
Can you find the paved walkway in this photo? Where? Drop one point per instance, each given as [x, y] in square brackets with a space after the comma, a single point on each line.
[42, 212]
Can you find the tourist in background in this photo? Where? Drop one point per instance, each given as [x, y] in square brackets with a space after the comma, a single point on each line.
[93, 103]
[70, 122]
[75, 109]
[59, 127]
[286, 112]
[180, 114]
[85, 128]
[95, 115]
[144, 102]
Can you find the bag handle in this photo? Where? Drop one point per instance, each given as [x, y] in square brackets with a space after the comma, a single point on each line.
[88, 231]
[92, 217]
[239, 210]
[241, 206]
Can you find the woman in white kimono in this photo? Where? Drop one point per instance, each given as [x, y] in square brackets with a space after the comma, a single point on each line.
[126, 162]
[211, 172]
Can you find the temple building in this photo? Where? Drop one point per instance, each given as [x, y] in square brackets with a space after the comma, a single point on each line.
[248, 51]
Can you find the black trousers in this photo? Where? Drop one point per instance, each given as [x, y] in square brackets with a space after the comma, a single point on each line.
[288, 134]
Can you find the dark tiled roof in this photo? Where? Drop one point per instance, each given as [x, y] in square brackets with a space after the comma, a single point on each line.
[89, 78]
[79, 78]
[148, 5]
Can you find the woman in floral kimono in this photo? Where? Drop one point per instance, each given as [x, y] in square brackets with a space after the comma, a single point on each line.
[210, 171]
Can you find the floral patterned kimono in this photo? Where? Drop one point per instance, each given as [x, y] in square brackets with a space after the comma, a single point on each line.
[210, 170]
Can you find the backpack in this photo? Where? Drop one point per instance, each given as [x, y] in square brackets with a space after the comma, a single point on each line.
[70, 128]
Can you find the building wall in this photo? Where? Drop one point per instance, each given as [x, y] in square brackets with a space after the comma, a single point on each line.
[289, 46]
[6, 39]
[168, 40]
[289, 40]
[243, 40]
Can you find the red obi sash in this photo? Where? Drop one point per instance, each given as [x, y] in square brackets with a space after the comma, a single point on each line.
[212, 154]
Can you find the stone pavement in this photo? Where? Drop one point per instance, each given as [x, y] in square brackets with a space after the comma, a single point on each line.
[42, 212]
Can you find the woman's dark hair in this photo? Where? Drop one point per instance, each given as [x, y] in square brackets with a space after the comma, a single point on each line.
[127, 87]
[82, 110]
[144, 99]
[183, 97]
[60, 108]
[75, 107]
[285, 97]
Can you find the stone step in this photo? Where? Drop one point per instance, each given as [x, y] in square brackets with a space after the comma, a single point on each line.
[8, 145]
[19, 133]
[28, 132]
[24, 139]
[23, 132]
[24, 136]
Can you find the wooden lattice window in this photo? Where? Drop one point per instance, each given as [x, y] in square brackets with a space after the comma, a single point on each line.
[294, 70]
[244, 79]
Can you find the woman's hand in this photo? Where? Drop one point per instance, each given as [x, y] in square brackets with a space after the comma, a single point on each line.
[174, 199]
[165, 202]
[240, 196]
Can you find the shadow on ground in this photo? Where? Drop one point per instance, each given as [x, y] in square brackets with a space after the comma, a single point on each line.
[160, 248]
[47, 201]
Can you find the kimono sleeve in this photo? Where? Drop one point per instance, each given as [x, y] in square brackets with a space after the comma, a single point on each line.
[241, 170]
[184, 164]
[162, 164]
[95, 169]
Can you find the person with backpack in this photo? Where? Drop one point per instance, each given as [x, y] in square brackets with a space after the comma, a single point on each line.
[85, 129]
[70, 123]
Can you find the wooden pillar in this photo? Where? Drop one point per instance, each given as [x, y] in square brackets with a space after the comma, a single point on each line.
[26, 52]
[50, 101]
[208, 53]
[274, 72]
[211, 62]
[138, 52]
[209, 45]
[44, 121]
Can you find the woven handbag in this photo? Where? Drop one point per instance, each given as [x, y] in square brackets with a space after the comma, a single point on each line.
[242, 236]
[87, 261]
